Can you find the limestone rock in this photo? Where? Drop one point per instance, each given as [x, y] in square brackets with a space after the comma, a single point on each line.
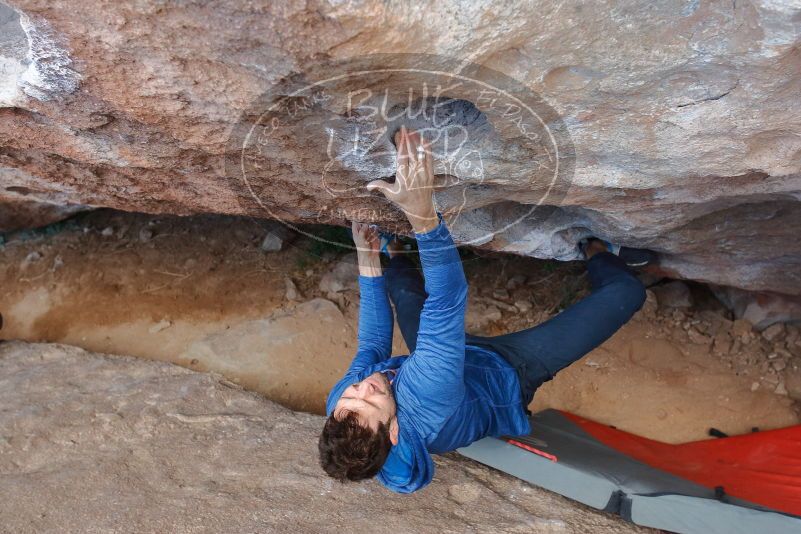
[741, 328]
[698, 338]
[291, 292]
[722, 344]
[263, 353]
[761, 309]
[118, 444]
[713, 322]
[344, 275]
[679, 112]
[523, 306]
[479, 315]
[276, 237]
[674, 294]
[18, 214]
[773, 332]
[792, 378]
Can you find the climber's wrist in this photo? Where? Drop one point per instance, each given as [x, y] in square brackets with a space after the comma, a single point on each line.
[424, 224]
[422, 217]
[369, 265]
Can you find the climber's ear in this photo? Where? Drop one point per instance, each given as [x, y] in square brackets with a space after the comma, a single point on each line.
[393, 431]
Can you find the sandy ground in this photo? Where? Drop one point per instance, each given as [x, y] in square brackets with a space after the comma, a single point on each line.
[201, 293]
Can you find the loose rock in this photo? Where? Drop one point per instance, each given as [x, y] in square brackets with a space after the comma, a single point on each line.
[344, 276]
[773, 332]
[292, 293]
[30, 259]
[523, 306]
[500, 294]
[493, 314]
[674, 294]
[145, 235]
[158, 327]
[741, 328]
[276, 237]
[698, 338]
[515, 282]
[722, 344]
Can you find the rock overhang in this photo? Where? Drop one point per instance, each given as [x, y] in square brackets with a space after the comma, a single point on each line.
[684, 120]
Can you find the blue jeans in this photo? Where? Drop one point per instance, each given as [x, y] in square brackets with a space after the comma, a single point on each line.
[537, 353]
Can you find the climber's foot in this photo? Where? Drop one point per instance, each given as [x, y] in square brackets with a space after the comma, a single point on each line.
[398, 246]
[394, 248]
[634, 257]
[590, 247]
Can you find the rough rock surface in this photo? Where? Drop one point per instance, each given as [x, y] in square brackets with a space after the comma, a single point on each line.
[683, 117]
[116, 444]
[263, 354]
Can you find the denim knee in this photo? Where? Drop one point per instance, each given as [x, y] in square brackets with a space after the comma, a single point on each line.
[632, 294]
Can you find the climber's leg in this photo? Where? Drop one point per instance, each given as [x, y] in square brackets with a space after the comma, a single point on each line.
[540, 352]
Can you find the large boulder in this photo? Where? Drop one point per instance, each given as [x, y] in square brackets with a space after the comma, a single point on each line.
[118, 444]
[671, 125]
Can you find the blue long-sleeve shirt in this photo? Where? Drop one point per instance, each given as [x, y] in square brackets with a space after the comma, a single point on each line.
[448, 394]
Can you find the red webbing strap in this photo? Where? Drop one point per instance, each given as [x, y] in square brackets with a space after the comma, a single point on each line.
[529, 448]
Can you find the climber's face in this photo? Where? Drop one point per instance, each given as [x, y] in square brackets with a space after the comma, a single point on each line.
[372, 401]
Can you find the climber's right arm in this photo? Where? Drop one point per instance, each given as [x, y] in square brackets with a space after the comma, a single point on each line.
[375, 315]
[432, 384]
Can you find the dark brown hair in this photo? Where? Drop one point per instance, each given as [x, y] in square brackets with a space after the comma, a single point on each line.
[349, 451]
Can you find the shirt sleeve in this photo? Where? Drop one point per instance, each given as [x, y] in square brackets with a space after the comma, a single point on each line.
[433, 385]
[375, 323]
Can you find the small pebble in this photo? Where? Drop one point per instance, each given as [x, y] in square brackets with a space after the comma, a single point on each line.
[523, 305]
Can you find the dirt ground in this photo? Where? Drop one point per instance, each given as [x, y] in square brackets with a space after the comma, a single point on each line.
[202, 293]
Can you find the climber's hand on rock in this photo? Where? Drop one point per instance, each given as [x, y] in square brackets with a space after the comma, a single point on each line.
[413, 189]
[367, 241]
